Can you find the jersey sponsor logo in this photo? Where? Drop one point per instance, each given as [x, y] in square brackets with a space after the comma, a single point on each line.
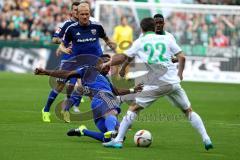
[94, 31]
[87, 40]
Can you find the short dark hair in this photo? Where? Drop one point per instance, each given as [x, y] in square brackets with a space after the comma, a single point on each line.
[105, 55]
[159, 16]
[75, 4]
[148, 24]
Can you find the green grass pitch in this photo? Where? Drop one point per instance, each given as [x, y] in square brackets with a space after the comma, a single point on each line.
[23, 135]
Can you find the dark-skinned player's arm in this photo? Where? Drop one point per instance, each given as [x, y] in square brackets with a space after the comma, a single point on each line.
[121, 91]
[181, 64]
[57, 73]
[116, 59]
[122, 71]
[127, 55]
[178, 53]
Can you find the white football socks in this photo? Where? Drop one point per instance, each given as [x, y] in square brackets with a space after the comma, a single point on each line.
[124, 125]
[197, 123]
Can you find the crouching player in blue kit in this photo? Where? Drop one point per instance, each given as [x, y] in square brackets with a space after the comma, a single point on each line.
[104, 105]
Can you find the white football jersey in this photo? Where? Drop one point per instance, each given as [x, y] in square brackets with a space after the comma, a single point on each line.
[156, 52]
[170, 35]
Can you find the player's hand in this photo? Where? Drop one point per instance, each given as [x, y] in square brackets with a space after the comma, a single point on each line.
[122, 72]
[68, 50]
[63, 49]
[58, 52]
[174, 59]
[39, 71]
[138, 88]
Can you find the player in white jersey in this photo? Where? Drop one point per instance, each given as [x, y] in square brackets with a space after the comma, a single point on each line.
[159, 29]
[163, 79]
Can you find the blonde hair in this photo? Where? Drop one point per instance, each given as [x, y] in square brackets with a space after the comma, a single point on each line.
[83, 5]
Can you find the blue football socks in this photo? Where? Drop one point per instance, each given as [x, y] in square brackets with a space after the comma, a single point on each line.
[51, 97]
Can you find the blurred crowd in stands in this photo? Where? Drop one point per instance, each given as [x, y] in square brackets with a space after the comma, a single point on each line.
[207, 30]
[31, 19]
[37, 20]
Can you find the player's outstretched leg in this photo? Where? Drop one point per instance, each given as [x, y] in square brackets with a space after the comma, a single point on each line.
[197, 123]
[110, 123]
[124, 125]
[83, 131]
[77, 132]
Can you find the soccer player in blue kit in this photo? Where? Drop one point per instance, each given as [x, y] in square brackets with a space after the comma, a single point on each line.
[58, 35]
[104, 104]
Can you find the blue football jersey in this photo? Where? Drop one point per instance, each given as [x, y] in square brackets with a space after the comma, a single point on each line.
[62, 28]
[85, 39]
[94, 80]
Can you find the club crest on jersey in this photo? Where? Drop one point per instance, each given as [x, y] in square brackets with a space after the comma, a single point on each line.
[94, 31]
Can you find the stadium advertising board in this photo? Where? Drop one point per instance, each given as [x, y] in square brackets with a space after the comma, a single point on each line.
[212, 69]
[22, 60]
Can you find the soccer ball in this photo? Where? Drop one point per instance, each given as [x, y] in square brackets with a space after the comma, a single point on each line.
[143, 138]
